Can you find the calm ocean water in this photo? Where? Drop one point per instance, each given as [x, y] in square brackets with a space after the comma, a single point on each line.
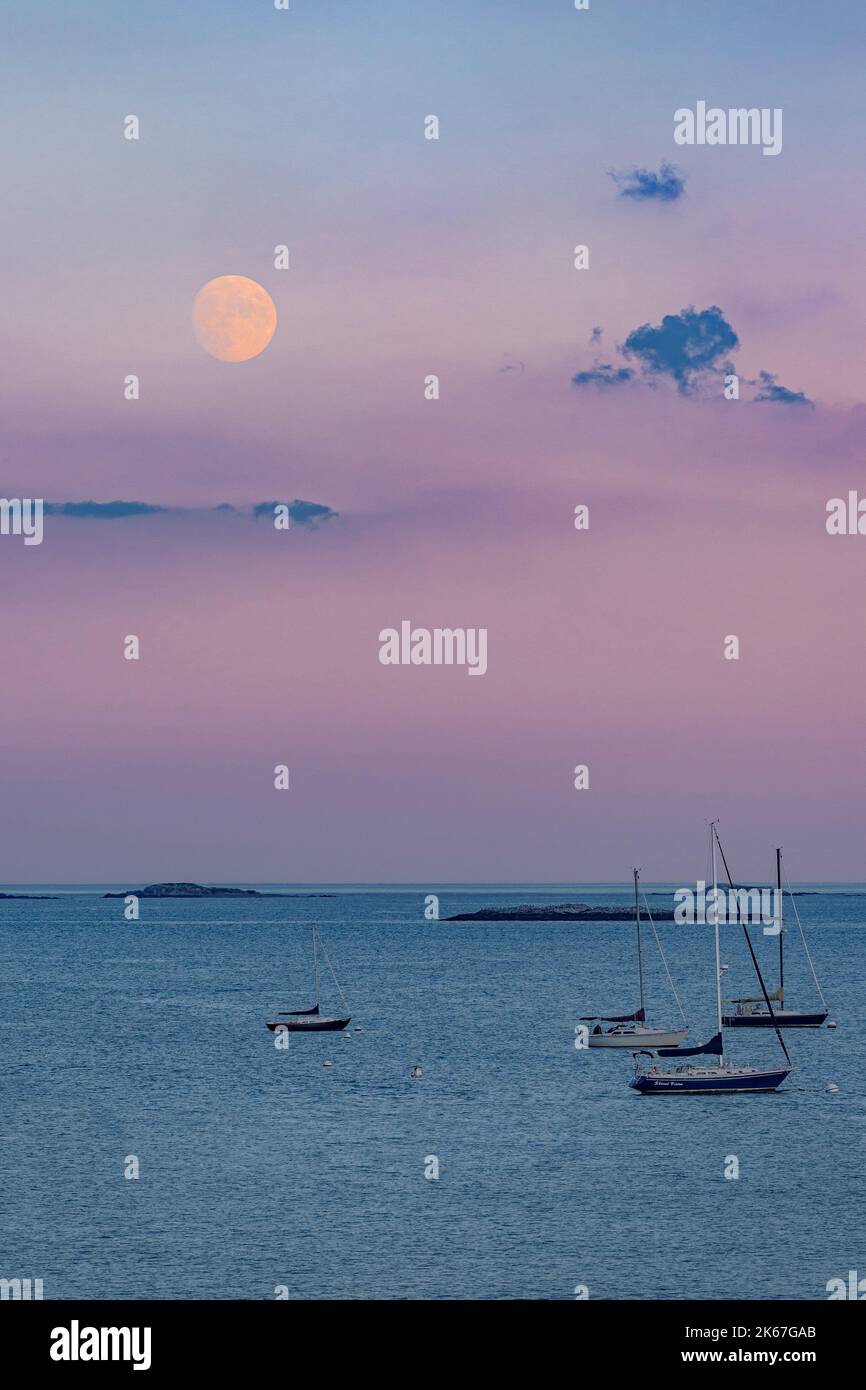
[262, 1167]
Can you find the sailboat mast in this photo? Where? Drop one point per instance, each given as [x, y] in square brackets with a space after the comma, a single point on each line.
[756, 965]
[639, 947]
[315, 964]
[716, 931]
[781, 928]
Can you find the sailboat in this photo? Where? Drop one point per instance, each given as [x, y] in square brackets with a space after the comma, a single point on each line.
[753, 1013]
[312, 1020]
[709, 1078]
[632, 1030]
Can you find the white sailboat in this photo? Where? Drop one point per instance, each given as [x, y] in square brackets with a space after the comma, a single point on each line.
[632, 1030]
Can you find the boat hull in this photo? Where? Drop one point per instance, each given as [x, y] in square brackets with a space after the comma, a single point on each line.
[711, 1082]
[310, 1025]
[652, 1037]
[782, 1018]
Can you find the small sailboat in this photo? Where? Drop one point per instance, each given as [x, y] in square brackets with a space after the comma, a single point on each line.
[753, 1013]
[312, 1020]
[709, 1078]
[632, 1030]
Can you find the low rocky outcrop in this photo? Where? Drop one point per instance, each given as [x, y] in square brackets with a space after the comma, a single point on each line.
[189, 890]
[557, 912]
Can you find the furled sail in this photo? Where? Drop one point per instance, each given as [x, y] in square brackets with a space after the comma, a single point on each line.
[638, 1017]
[714, 1045]
[778, 997]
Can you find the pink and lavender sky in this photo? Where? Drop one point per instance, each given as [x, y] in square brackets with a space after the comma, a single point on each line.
[452, 257]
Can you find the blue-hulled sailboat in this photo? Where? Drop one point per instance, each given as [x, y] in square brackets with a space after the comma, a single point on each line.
[709, 1077]
[312, 1020]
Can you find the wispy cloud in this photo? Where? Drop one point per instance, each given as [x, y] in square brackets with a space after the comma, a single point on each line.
[304, 513]
[780, 395]
[645, 185]
[603, 374]
[307, 514]
[105, 510]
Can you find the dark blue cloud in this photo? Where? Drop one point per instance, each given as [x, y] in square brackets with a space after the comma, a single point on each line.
[683, 345]
[304, 513]
[780, 394]
[643, 184]
[105, 510]
[690, 348]
[603, 374]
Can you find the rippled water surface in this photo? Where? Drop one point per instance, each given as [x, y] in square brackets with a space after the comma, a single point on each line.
[261, 1167]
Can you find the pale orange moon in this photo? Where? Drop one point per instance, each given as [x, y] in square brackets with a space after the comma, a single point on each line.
[233, 318]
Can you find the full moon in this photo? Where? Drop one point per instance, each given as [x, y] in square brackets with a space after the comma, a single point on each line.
[233, 318]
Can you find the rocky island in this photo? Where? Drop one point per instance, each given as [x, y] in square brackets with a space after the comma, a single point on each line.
[190, 890]
[557, 912]
[198, 890]
[30, 897]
